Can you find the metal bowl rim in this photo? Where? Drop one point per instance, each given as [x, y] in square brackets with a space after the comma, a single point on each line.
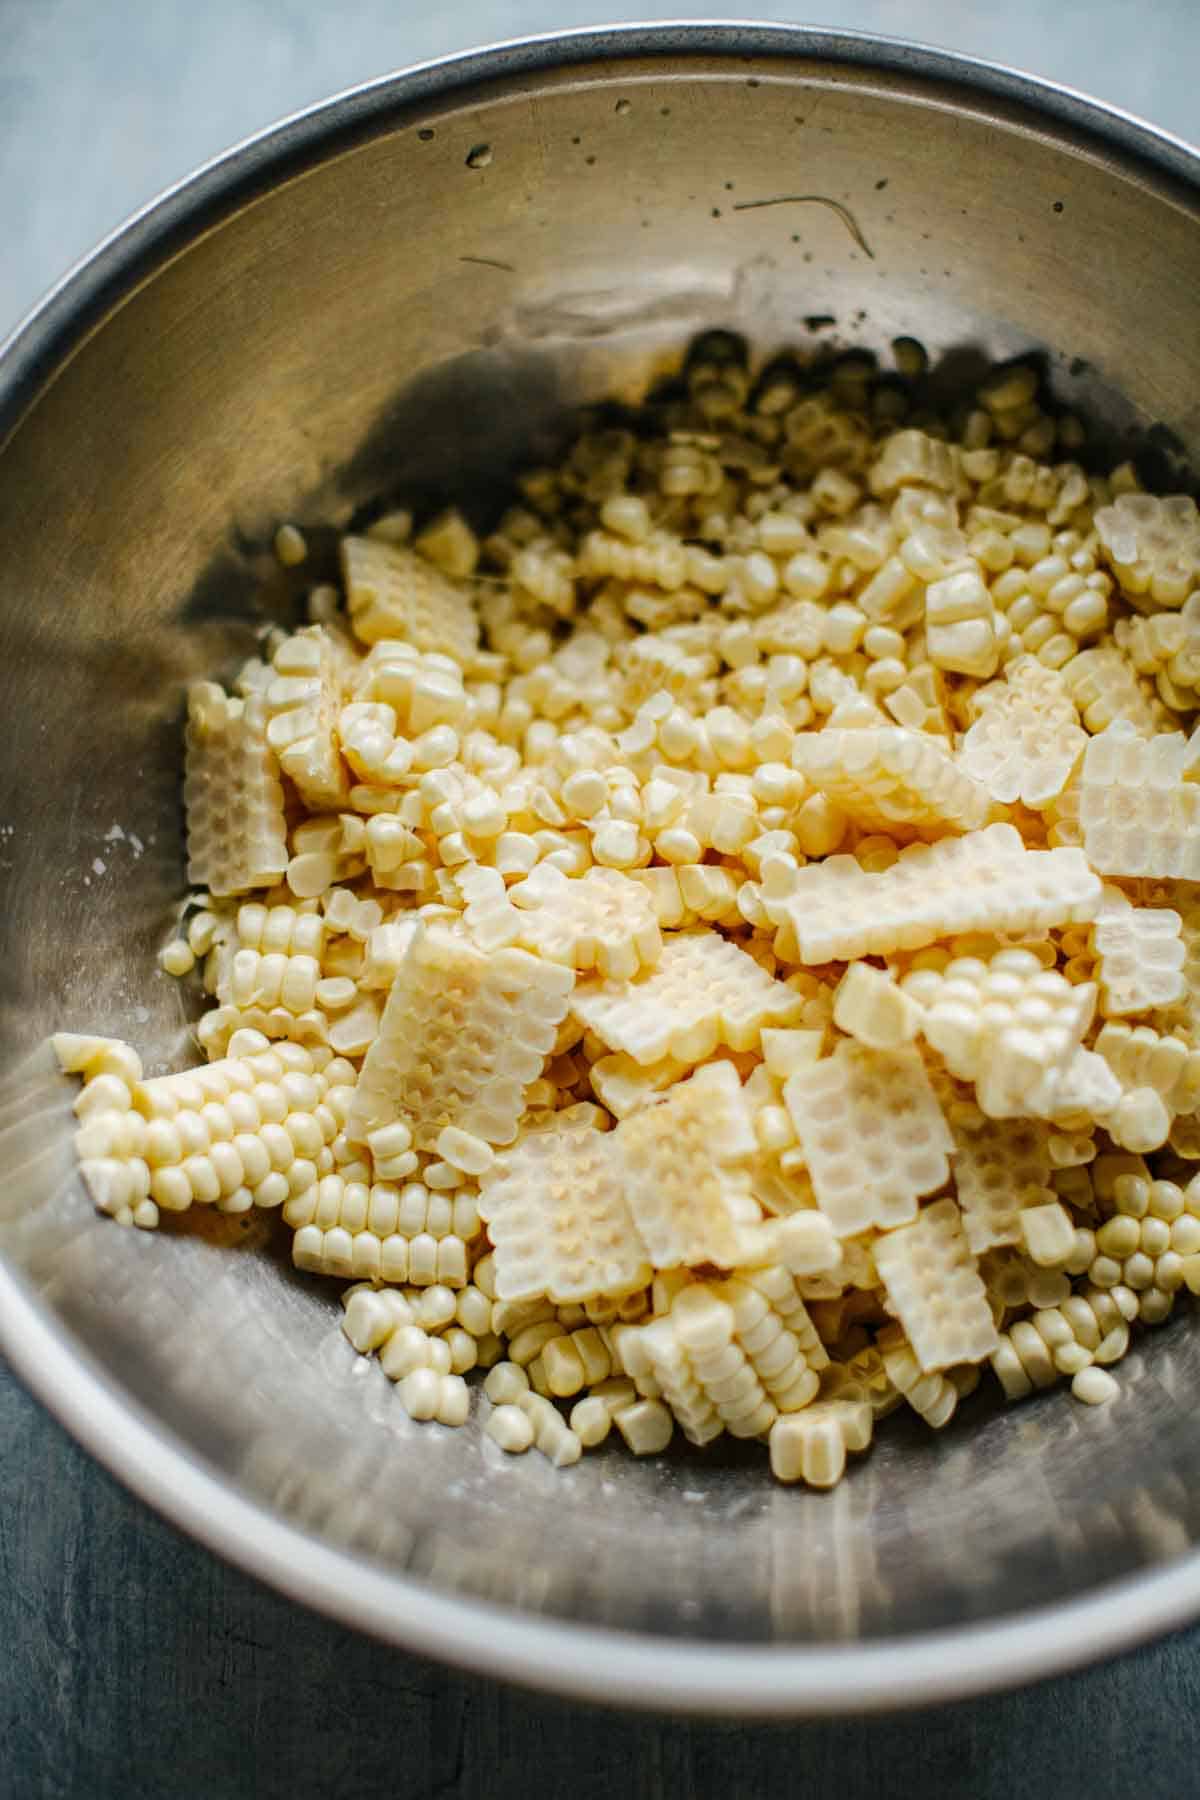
[585, 1662]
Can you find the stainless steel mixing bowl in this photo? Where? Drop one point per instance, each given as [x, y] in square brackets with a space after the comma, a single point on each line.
[408, 290]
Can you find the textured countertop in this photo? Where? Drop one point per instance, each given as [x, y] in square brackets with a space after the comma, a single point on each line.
[134, 1663]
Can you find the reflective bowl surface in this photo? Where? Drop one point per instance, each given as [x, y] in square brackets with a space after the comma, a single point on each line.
[410, 291]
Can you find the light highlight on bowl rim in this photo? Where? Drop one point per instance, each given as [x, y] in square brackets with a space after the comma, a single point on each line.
[585, 1661]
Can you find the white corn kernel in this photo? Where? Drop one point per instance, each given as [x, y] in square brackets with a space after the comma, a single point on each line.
[570, 928]
[646, 1426]
[177, 958]
[505, 1383]
[1094, 1386]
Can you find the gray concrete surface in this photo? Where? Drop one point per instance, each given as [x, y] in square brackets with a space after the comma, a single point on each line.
[135, 1664]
